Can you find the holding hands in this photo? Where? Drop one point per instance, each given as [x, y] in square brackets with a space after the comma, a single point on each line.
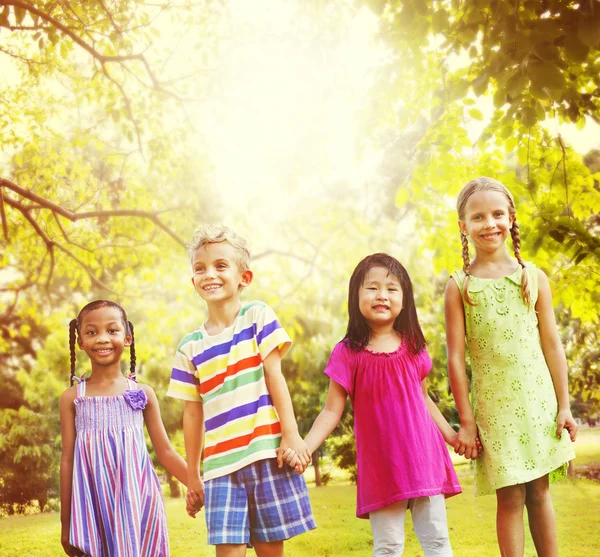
[467, 442]
[194, 500]
[294, 451]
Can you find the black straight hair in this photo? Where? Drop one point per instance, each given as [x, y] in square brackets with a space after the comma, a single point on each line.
[406, 324]
[75, 330]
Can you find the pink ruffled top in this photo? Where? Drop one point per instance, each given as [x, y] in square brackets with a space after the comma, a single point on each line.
[401, 454]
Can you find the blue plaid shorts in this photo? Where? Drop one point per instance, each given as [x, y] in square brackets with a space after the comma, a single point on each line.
[259, 503]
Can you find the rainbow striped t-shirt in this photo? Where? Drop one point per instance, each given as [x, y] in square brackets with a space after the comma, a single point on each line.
[225, 372]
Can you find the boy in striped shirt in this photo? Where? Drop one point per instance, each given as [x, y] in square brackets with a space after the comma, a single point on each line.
[237, 405]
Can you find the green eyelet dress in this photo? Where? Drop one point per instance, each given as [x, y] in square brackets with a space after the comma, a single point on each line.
[512, 393]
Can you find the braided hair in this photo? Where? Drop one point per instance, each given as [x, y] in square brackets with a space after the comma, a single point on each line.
[489, 184]
[75, 330]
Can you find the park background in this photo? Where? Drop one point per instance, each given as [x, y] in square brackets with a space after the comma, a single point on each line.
[322, 131]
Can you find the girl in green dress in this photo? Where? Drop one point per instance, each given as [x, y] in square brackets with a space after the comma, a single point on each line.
[519, 402]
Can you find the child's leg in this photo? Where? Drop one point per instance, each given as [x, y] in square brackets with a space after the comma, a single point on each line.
[541, 517]
[431, 526]
[509, 520]
[387, 525]
[268, 549]
[231, 550]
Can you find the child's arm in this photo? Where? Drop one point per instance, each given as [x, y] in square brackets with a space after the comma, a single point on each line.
[193, 436]
[329, 417]
[67, 434]
[277, 387]
[442, 424]
[554, 355]
[166, 454]
[465, 443]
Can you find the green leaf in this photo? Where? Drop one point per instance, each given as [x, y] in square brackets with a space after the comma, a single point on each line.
[589, 27]
[546, 51]
[4, 22]
[19, 14]
[476, 114]
[480, 84]
[402, 197]
[377, 6]
[545, 75]
[422, 6]
[556, 235]
[439, 21]
[575, 49]
[528, 116]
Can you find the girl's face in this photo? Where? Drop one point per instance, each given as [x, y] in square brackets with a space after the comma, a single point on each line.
[487, 220]
[103, 336]
[380, 298]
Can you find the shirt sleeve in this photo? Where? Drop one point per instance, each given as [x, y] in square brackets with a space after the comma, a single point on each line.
[183, 383]
[269, 333]
[341, 367]
[424, 363]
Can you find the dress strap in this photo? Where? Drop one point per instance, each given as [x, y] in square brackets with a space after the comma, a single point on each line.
[131, 385]
[81, 388]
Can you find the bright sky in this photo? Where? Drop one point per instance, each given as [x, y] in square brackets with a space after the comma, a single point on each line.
[283, 119]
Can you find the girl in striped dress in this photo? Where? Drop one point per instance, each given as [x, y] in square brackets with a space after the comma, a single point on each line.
[111, 502]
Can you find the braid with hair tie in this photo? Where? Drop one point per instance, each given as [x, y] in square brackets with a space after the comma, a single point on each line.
[72, 335]
[466, 269]
[516, 240]
[132, 359]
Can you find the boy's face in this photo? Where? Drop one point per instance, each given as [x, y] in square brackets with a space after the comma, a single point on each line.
[217, 276]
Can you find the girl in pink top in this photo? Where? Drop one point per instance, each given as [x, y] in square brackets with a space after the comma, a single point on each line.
[381, 364]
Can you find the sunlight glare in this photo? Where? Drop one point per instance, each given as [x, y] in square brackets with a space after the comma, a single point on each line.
[282, 121]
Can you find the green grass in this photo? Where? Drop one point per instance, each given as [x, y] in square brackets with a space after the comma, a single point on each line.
[587, 447]
[341, 534]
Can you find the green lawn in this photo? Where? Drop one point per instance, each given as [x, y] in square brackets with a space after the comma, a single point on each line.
[340, 533]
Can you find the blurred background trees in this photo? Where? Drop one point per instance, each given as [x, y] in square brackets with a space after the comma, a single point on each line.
[322, 131]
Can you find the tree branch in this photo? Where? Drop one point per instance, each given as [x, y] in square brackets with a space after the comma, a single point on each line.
[102, 58]
[73, 217]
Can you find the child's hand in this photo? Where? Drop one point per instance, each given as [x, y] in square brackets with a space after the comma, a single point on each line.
[291, 459]
[466, 443]
[478, 446]
[564, 420]
[66, 544]
[193, 502]
[195, 496]
[300, 448]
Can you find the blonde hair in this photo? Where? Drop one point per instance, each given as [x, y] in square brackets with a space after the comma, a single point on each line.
[489, 184]
[216, 233]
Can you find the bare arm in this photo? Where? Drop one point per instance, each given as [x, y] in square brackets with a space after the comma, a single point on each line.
[67, 433]
[329, 417]
[193, 436]
[278, 389]
[167, 455]
[442, 424]
[554, 355]
[465, 443]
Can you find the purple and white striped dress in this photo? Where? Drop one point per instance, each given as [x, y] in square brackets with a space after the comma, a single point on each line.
[117, 508]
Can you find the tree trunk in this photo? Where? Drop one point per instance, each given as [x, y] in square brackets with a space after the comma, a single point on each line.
[315, 461]
[174, 486]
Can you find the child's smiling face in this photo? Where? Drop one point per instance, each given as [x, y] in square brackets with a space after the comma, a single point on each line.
[217, 274]
[380, 298]
[103, 336]
[487, 220]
